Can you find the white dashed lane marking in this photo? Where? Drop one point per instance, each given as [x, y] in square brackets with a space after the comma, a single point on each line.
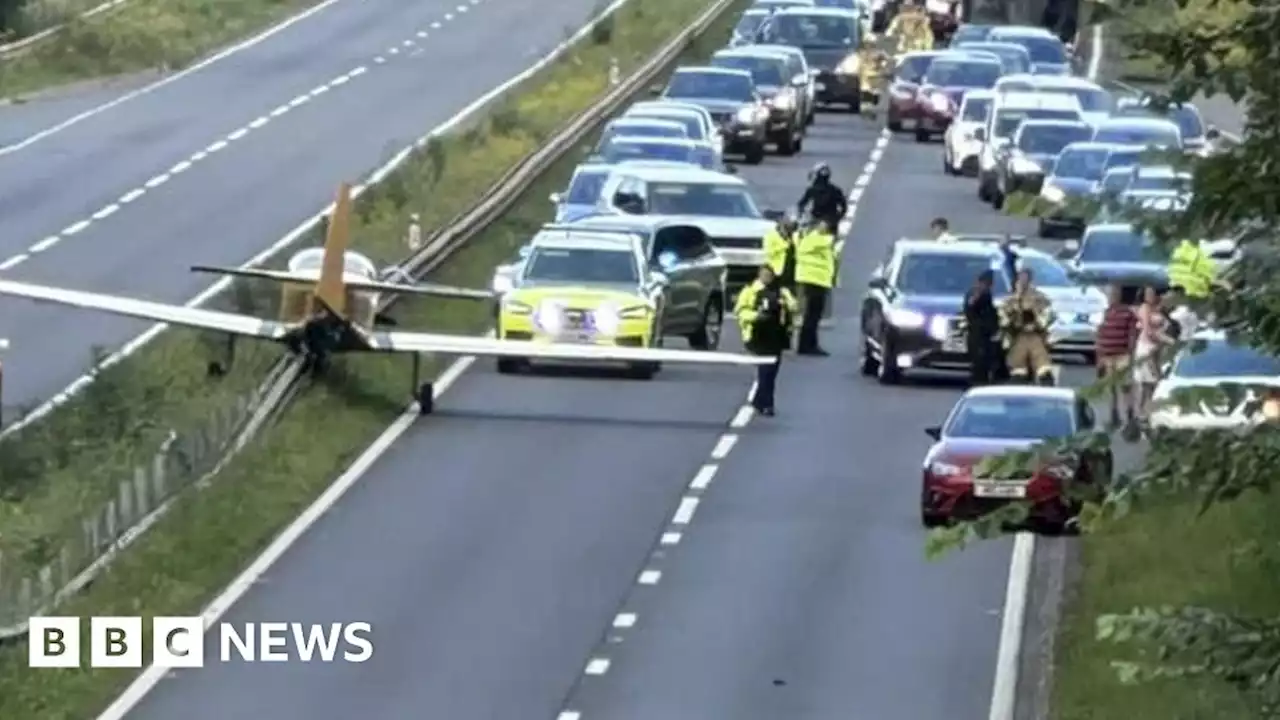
[218, 145]
[682, 518]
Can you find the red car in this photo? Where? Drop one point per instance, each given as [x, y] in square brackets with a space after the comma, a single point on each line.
[989, 421]
[943, 87]
[903, 111]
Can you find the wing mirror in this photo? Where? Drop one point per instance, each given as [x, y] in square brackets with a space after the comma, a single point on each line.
[659, 279]
[800, 80]
[1212, 133]
[1068, 249]
[556, 198]
[877, 283]
[665, 261]
[523, 252]
[655, 89]
[980, 134]
[934, 432]
[774, 215]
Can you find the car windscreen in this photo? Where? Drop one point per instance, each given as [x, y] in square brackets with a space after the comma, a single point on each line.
[748, 24]
[692, 127]
[640, 130]
[963, 73]
[623, 149]
[1115, 180]
[1008, 120]
[842, 4]
[1157, 182]
[1092, 100]
[1184, 116]
[718, 85]
[585, 187]
[1119, 246]
[588, 265]
[1145, 135]
[925, 273]
[670, 198]
[1123, 158]
[1011, 418]
[815, 31]
[1050, 139]
[912, 69]
[1043, 50]
[764, 70]
[1081, 163]
[1220, 358]
[1015, 58]
[970, 33]
[1046, 272]
[976, 109]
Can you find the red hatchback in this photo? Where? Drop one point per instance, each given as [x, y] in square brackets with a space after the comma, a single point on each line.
[989, 421]
[943, 87]
[903, 110]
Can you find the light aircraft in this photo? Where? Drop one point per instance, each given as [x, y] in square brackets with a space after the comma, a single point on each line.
[329, 301]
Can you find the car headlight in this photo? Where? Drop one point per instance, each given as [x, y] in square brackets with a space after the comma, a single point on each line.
[906, 319]
[849, 66]
[746, 115]
[502, 284]
[1023, 166]
[939, 328]
[1053, 194]
[1095, 318]
[940, 103]
[606, 319]
[515, 307]
[549, 316]
[783, 100]
[945, 469]
[635, 312]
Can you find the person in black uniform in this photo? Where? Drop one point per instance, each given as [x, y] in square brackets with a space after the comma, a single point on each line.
[766, 312]
[982, 330]
[826, 201]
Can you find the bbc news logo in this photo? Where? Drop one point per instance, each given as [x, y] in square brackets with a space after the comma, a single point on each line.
[179, 642]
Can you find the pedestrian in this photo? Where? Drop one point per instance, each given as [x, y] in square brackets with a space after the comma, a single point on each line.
[1148, 350]
[766, 313]
[780, 251]
[1113, 350]
[941, 230]
[413, 237]
[815, 275]
[982, 330]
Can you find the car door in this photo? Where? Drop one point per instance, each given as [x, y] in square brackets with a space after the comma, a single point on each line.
[707, 270]
[878, 297]
[670, 257]
[903, 89]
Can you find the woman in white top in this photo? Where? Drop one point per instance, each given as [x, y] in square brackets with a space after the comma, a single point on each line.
[1153, 338]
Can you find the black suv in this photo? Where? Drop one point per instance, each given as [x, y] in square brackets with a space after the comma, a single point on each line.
[914, 303]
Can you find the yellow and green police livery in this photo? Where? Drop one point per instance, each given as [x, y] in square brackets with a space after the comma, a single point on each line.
[582, 287]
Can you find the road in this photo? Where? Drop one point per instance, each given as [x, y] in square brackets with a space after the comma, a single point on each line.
[216, 165]
[506, 547]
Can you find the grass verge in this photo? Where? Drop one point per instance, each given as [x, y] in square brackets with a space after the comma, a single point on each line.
[198, 547]
[1164, 555]
[142, 35]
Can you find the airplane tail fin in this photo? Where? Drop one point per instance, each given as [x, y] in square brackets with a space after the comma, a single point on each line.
[330, 289]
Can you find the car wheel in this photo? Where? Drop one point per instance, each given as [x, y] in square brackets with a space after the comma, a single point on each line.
[755, 154]
[888, 372]
[893, 122]
[799, 143]
[984, 188]
[870, 366]
[786, 143]
[997, 199]
[932, 520]
[947, 167]
[855, 105]
[510, 366]
[922, 135]
[707, 337]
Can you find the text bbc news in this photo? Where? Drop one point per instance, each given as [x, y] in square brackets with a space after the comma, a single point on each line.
[179, 642]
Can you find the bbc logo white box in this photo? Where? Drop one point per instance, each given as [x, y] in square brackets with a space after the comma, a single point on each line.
[116, 642]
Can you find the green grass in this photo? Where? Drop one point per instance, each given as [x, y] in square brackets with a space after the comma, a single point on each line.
[143, 35]
[1164, 555]
[197, 548]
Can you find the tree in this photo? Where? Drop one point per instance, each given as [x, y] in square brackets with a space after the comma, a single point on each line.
[1204, 47]
[10, 14]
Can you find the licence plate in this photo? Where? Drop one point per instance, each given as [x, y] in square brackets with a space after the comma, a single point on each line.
[577, 338]
[819, 86]
[989, 489]
[954, 345]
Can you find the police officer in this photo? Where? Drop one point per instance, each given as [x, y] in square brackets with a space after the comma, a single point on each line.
[1025, 318]
[766, 313]
[815, 274]
[780, 251]
[941, 230]
[911, 29]
[824, 199]
[1191, 268]
[982, 330]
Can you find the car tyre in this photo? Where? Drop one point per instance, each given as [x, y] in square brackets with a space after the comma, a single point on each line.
[787, 144]
[510, 366]
[893, 122]
[755, 154]
[707, 336]
[997, 197]
[947, 167]
[984, 188]
[932, 520]
[1045, 230]
[922, 135]
[888, 372]
[426, 398]
[855, 105]
[870, 366]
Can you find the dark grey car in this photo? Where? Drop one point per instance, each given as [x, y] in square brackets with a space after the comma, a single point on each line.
[783, 96]
[730, 96]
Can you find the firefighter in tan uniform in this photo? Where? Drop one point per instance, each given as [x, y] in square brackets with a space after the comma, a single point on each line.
[1025, 317]
[911, 29]
[873, 72]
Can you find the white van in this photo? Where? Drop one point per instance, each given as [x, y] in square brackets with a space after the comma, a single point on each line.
[1007, 112]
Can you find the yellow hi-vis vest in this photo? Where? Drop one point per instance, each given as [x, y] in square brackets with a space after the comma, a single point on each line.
[775, 251]
[1192, 269]
[816, 259]
[745, 308]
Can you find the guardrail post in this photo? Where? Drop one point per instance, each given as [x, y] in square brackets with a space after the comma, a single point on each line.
[615, 72]
[4, 345]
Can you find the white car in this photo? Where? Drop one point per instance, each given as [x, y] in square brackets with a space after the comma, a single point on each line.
[960, 145]
[701, 126]
[1077, 308]
[1217, 364]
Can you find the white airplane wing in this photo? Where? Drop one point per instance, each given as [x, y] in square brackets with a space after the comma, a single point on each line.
[429, 289]
[409, 342]
[171, 314]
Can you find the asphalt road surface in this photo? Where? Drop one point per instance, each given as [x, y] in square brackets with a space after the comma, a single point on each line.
[505, 548]
[215, 166]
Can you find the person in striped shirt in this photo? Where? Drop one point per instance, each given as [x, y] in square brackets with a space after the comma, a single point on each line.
[1113, 347]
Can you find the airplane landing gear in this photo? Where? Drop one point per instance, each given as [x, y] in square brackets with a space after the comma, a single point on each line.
[219, 368]
[424, 393]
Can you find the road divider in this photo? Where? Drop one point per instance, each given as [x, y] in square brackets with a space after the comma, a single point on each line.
[198, 545]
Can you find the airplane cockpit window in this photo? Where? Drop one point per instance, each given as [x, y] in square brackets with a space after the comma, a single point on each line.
[312, 259]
